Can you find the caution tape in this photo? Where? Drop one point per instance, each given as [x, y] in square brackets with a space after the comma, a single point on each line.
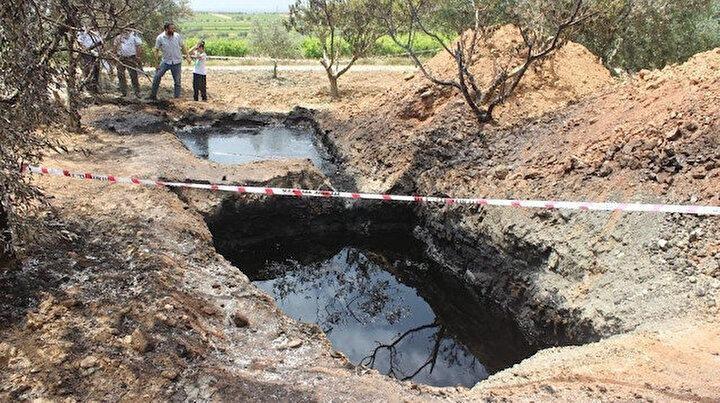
[272, 191]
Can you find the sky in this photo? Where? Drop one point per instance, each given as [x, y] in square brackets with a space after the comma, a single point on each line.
[240, 5]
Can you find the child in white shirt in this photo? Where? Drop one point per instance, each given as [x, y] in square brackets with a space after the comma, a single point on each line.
[198, 54]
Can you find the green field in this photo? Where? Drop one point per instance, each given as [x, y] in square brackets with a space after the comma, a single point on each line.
[226, 34]
[211, 26]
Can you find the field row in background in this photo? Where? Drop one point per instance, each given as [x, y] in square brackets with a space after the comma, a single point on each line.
[227, 34]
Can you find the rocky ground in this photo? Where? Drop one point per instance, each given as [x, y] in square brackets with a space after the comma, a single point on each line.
[125, 298]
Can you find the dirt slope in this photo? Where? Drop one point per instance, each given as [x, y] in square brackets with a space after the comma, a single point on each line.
[126, 299]
[654, 137]
[417, 105]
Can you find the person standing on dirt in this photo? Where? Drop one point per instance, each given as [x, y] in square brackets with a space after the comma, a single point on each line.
[91, 43]
[198, 54]
[173, 51]
[128, 47]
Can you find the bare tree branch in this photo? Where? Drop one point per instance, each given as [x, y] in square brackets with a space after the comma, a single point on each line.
[482, 100]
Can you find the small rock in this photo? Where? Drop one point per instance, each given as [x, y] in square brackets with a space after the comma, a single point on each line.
[169, 374]
[691, 127]
[88, 362]
[409, 77]
[695, 234]
[553, 261]
[240, 320]
[294, 343]
[711, 268]
[140, 342]
[209, 310]
[605, 170]
[674, 135]
[501, 172]
[427, 94]
[663, 244]
[549, 389]
[532, 174]
[699, 173]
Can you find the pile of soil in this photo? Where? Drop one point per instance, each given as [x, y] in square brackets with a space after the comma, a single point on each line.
[569, 74]
[651, 138]
[566, 76]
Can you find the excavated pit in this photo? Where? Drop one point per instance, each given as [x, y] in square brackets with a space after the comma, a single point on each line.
[381, 280]
[359, 273]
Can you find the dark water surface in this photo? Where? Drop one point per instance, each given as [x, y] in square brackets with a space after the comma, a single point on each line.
[385, 306]
[242, 145]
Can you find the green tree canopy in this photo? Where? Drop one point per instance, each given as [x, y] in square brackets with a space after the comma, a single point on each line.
[337, 23]
[272, 39]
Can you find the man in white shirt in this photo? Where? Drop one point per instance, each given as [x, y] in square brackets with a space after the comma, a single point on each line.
[128, 47]
[173, 51]
[91, 42]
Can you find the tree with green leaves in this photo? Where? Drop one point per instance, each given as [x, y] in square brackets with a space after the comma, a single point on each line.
[40, 53]
[27, 73]
[337, 24]
[632, 35]
[628, 35]
[272, 39]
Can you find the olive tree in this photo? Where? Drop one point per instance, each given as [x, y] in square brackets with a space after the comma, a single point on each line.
[636, 34]
[40, 88]
[626, 34]
[28, 44]
[273, 40]
[542, 33]
[338, 24]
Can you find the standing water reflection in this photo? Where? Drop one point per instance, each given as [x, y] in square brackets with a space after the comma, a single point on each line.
[389, 311]
[241, 145]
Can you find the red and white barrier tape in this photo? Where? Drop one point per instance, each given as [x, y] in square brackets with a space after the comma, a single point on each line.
[267, 191]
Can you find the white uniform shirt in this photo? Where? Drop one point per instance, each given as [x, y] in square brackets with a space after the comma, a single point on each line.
[128, 44]
[171, 47]
[89, 39]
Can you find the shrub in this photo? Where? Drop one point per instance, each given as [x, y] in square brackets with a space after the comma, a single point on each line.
[422, 44]
[312, 48]
[222, 47]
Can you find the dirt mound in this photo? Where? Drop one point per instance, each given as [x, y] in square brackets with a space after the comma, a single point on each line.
[415, 105]
[569, 74]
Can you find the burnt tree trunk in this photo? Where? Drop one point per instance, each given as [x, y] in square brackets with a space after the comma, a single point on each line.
[73, 121]
[6, 250]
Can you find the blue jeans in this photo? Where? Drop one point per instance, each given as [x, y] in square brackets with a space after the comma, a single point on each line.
[175, 69]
